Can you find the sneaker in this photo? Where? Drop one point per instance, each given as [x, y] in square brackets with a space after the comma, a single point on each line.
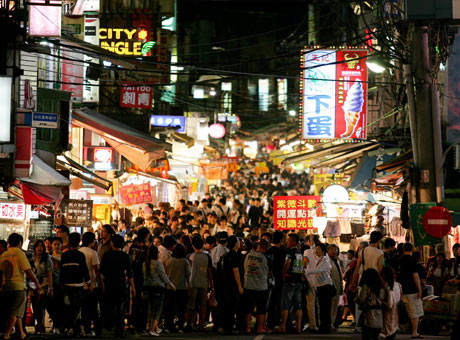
[92, 334]
[153, 333]
[159, 330]
[180, 331]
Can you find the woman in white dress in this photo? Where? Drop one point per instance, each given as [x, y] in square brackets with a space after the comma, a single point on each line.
[390, 313]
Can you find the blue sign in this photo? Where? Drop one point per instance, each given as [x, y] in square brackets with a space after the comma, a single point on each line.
[45, 120]
[169, 121]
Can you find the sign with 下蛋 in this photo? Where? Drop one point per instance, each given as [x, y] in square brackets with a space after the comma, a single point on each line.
[45, 120]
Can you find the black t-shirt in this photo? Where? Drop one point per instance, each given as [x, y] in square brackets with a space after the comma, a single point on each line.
[408, 266]
[116, 267]
[230, 261]
[295, 270]
[138, 255]
[254, 214]
[277, 256]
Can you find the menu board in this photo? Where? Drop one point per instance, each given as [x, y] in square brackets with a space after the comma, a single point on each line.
[40, 229]
[77, 213]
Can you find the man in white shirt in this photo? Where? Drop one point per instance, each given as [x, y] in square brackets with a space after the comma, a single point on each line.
[309, 259]
[91, 294]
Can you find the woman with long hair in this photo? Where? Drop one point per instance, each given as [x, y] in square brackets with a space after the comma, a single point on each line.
[390, 314]
[155, 282]
[438, 274]
[43, 268]
[371, 300]
[178, 268]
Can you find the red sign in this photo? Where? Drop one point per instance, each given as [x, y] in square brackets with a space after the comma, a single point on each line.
[136, 194]
[72, 75]
[437, 222]
[136, 96]
[351, 94]
[12, 211]
[295, 212]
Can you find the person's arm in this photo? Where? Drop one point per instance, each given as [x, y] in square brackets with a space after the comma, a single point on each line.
[354, 282]
[417, 283]
[380, 264]
[324, 266]
[236, 274]
[361, 298]
[97, 272]
[287, 263]
[30, 274]
[164, 277]
[129, 274]
[49, 275]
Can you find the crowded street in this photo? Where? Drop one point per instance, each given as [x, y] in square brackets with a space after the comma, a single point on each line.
[240, 169]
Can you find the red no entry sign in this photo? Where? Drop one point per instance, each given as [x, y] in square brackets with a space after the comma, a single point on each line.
[437, 222]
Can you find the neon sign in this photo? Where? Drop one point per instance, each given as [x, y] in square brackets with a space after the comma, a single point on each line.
[121, 41]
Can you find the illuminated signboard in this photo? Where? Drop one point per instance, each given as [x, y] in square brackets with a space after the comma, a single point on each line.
[333, 94]
[123, 41]
[103, 155]
[169, 121]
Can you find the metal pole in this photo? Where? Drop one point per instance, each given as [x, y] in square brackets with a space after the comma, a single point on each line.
[437, 141]
[412, 113]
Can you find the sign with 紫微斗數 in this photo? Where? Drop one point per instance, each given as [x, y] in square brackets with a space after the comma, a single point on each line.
[295, 212]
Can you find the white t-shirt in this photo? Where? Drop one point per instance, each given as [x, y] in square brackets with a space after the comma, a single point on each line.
[310, 254]
[91, 260]
[371, 257]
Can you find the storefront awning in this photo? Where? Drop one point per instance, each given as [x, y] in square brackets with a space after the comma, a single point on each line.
[37, 194]
[43, 174]
[338, 149]
[84, 173]
[396, 163]
[138, 147]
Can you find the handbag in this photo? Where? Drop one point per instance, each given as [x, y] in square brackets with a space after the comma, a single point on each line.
[212, 301]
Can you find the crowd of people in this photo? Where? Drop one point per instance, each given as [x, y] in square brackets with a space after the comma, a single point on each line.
[217, 266]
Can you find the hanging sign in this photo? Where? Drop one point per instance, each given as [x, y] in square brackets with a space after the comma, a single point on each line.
[295, 212]
[136, 96]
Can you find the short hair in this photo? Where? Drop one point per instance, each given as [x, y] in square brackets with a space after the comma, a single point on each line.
[197, 242]
[169, 241]
[223, 218]
[179, 251]
[269, 235]
[351, 252]
[322, 246]
[74, 240]
[88, 238]
[109, 228]
[142, 234]
[117, 241]
[263, 243]
[278, 236]
[389, 242]
[211, 240]
[456, 246]
[139, 220]
[440, 248]
[122, 221]
[232, 240]
[295, 237]
[407, 247]
[223, 200]
[63, 228]
[222, 237]
[57, 239]
[15, 239]
[376, 236]
[332, 245]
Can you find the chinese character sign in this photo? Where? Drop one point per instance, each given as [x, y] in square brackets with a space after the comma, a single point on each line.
[136, 194]
[334, 94]
[295, 212]
[133, 95]
[72, 75]
[12, 211]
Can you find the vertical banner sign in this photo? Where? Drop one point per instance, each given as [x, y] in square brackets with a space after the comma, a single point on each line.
[133, 95]
[91, 87]
[45, 18]
[72, 75]
[295, 212]
[334, 94]
[351, 94]
[319, 95]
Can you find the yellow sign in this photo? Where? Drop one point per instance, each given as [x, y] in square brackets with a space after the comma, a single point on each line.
[121, 41]
[324, 180]
[102, 212]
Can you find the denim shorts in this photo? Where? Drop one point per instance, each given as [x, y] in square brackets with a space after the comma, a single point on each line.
[291, 295]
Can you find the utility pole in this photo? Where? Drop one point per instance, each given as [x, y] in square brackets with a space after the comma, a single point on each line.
[425, 120]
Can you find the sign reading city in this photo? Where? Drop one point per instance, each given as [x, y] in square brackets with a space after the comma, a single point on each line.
[122, 41]
[295, 212]
[136, 96]
[169, 121]
[334, 94]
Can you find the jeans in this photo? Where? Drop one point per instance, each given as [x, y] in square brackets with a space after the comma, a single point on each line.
[72, 297]
[324, 301]
[114, 309]
[38, 305]
[90, 311]
[291, 295]
[154, 297]
[230, 307]
[139, 311]
[175, 305]
[274, 307]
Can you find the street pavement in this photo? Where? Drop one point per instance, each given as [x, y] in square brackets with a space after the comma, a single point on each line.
[344, 333]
